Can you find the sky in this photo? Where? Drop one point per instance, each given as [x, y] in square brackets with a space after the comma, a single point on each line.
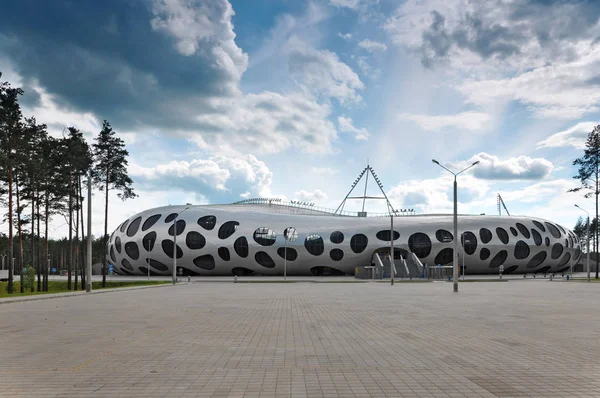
[222, 100]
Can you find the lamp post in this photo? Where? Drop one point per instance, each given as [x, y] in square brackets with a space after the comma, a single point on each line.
[455, 222]
[289, 234]
[392, 266]
[148, 259]
[88, 268]
[174, 246]
[588, 241]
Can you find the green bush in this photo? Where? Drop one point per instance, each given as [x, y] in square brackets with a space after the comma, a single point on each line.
[28, 277]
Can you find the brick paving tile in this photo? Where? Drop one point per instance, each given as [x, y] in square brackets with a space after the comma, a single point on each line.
[515, 339]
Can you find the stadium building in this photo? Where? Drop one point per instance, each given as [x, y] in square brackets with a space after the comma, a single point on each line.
[264, 236]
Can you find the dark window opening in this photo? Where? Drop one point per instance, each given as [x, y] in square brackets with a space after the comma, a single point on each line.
[485, 235]
[170, 217]
[444, 236]
[264, 259]
[557, 250]
[537, 238]
[241, 271]
[499, 259]
[118, 244]
[502, 235]
[132, 250]
[122, 229]
[510, 269]
[167, 246]
[206, 262]
[553, 230]
[241, 246]
[521, 250]
[292, 254]
[547, 241]
[227, 229]
[265, 236]
[384, 235]
[224, 253]
[336, 254]
[420, 244]
[179, 226]
[194, 240]
[336, 237]
[523, 229]
[149, 240]
[565, 259]
[484, 254]
[314, 244]
[112, 254]
[537, 260]
[539, 225]
[469, 242]
[158, 265]
[561, 228]
[513, 231]
[125, 263]
[444, 257]
[358, 243]
[150, 221]
[326, 271]
[207, 222]
[133, 227]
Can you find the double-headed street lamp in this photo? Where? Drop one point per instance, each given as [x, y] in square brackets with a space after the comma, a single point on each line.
[455, 240]
[588, 242]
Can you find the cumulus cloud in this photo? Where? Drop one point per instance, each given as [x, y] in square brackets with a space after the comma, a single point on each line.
[192, 22]
[518, 33]
[516, 168]
[345, 36]
[215, 177]
[346, 126]
[314, 196]
[353, 4]
[574, 136]
[266, 122]
[322, 73]
[372, 46]
[469, 120]
[557, 90]
[434, 195]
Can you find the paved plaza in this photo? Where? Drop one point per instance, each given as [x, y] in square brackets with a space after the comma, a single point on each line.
[515, 339]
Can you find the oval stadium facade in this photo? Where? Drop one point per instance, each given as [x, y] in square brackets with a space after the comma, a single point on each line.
[248, 238]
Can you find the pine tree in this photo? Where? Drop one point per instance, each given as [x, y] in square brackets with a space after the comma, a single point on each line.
[589, 176]
[10, 126]
[110, 173]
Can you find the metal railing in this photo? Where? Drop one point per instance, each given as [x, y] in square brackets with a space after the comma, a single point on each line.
[305, 208]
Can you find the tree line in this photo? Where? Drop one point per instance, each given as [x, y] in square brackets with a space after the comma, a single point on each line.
[42, 177]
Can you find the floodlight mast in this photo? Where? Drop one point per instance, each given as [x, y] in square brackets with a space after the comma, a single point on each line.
[367, 170]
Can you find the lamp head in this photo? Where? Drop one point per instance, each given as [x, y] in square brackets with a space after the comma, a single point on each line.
[477, 162]
[435, 161]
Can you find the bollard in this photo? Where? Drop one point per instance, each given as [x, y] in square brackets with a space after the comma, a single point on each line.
[189, 279]
[235, 279]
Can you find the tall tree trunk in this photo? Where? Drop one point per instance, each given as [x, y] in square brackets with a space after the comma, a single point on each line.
[20, 232]
[76, 254]
[47, 253]
[82, 251]
[596, 231]
[10, 287]
[104, 241]
[70, 252]
[33, 262]
[37, 236]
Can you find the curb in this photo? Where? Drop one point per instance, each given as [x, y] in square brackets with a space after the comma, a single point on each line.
[8, 300]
